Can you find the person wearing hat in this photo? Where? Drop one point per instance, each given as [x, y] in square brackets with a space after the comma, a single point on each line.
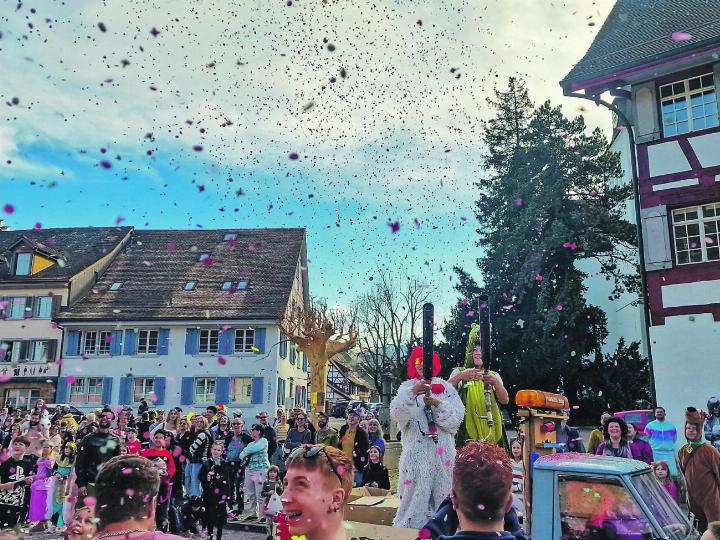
[325, 434]
[354, 442]
[700, 463]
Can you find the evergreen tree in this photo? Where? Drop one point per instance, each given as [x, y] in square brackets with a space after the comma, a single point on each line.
[547, 202]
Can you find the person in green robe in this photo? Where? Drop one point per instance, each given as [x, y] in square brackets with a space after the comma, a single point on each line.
[471, 381]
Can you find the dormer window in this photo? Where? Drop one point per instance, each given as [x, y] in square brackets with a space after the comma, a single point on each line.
[688, 105]
[116, 286]
[226, 285]
[190, 286]
[242, 284]
[229, 236]
[23, 264]
[203, 256]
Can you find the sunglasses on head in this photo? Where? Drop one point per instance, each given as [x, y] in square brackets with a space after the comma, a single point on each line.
[311, 452]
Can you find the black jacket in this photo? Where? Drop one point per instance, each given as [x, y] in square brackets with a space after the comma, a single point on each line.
[376, 473]
[360, 457]
[94, 450]
[444, 523]
[271, 437]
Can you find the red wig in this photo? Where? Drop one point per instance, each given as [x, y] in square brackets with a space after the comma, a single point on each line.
[416, 357]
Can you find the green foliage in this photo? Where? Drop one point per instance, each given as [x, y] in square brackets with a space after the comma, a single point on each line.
[547, 202]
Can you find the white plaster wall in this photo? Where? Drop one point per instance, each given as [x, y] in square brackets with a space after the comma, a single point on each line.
[676, 184]
[691, 294]
[686, 363]
[707, 149]
[667, 158]
[176, 365]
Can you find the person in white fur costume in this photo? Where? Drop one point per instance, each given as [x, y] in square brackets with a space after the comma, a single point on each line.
[425, 467]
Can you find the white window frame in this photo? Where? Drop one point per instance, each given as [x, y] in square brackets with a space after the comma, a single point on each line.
[190, 285]
[143, 388]
[96, 384]
[237, 395]
[144, 345]
[204, 390]
[226, 285]
[80, 390]
[36, 346]
[30, 395]
[684, 113]
[38, 304]
[17, 263]
[77, 393]
[229, 236]
[244, 340]
[100, 348]
[206, 339]
[709, 240]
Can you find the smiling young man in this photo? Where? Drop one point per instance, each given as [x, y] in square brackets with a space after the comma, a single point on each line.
[317, 485]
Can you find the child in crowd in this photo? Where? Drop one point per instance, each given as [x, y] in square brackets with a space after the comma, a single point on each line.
[215, 481]
[662, 473]
[62, 472]
[83, 524]
[132, 443]
[375, 473]
[41, 488]
[272, 486]
[15, 475]
[518, 476]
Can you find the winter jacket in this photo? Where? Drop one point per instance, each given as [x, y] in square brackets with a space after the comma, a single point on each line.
[94, 450]
[641, 451]
[378, 473]
[360, 457]
[200, 447]
[257, 450]
[444, 523]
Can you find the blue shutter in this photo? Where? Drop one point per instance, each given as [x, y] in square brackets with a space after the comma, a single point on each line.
[192, 343]
[131, 339]
[293, 353]
[227, 340]
[187, 390]
[126, 391]
[260, 339]
[116, 344]
[283, 345]
[257, 390]
[163, 341]
[305, 362]
[107, 390]
[72, 343]
[222, 390]
[61, 394]
[159, 390]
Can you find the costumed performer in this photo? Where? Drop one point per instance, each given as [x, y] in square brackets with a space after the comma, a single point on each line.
[470, 381]
[425, 466]
[699, 461]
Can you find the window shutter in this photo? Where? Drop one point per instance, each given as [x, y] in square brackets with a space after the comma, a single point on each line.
[293, 353]
[107, 390]
[130, 342]
[116, 343]
[305, 362]
[222, 390]
[192, 343]
[61, 393]
[645, 112]
[283, 345]
[159, 390]
[656, 236]
[260, 339]
[257, 390]
[163, 341]
[227, 340]
[52, 350]
[56, 305]
[126, 391]
[187, 390]
[72, 343]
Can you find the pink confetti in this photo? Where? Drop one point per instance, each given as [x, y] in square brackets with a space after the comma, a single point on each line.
[518, 201]
[119, 220]
[394, 226]
[221, 360]
[198, 148]
[90, 501]
[8, 208]
[207, 261]
[559, 307]
[105, 164]
[37, 226]
[71, 379]
[5, 378]
[408, 482]
[538, 277]
[681, 36]
[293, 156]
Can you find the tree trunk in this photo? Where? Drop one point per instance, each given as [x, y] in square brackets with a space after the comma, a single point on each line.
[318, 380]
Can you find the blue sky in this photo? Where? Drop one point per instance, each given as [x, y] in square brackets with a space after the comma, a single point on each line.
[366, 93]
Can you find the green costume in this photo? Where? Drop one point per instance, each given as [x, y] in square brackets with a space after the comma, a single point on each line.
[474, 425]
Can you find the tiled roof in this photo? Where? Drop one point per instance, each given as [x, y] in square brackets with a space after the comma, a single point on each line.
[77, 248]
[640, 31]
[344, 361]
[155, 266]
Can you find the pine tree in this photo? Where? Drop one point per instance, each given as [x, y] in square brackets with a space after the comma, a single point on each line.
[546, 203]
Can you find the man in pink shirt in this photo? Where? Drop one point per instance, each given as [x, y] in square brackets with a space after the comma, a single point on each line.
[163, 460]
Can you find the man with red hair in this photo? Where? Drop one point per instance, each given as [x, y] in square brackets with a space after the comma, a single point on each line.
[481, 492]
[426, 461]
